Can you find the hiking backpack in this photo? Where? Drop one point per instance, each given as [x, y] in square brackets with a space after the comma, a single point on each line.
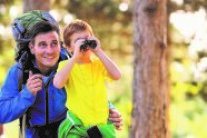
[20, 27]
[23, 23]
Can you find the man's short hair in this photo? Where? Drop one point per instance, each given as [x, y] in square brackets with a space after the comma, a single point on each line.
[42, 27]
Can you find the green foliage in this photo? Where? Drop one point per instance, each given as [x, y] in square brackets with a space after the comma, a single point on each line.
[120, 94]
[188, 5]
[188, 96]
[93, 8]
[189, 119]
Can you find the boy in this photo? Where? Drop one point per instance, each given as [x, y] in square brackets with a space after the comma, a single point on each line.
[84, 77]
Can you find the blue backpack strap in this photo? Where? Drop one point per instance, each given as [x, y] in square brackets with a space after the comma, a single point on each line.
[20, 70]
[20, 82]
[20, 77]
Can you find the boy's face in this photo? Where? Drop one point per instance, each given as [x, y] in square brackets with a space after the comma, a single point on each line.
[46, 49]
[77, 39]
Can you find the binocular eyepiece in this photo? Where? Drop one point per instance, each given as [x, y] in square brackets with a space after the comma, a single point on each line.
[90, 43]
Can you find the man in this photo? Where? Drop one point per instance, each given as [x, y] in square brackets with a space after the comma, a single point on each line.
[44, 104]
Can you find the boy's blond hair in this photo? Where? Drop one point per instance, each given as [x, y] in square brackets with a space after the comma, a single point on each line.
[74, 27]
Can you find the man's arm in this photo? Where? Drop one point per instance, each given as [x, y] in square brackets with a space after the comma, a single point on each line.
[12, 102]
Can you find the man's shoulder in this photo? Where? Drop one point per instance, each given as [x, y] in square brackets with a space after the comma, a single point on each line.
[14, 67]
[13, 70]
[12, 75]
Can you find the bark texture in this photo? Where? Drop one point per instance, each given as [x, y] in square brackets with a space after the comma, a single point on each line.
[1, 130]
[151, 81]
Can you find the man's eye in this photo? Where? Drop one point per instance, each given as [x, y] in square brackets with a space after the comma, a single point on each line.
[54, 43]
[42, 45]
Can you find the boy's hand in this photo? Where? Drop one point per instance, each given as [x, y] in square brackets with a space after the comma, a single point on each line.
[115, 118]
[34, 83]
[77, 49]
[98, 46]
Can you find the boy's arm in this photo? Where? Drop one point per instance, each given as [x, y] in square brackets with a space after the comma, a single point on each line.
[62, 75]
[110, 66]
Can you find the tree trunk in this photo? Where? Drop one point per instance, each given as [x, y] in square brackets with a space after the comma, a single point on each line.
[29, 5]
[150, 82]
[1, 130]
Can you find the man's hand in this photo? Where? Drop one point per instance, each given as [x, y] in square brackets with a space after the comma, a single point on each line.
[34, 83]
[115, 118]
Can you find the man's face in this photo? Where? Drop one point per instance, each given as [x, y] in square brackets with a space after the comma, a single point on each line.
[46, 49]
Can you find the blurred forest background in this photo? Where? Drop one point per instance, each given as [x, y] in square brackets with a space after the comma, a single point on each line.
[112, 23]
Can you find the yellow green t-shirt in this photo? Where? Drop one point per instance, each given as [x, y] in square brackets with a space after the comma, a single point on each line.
[86, 92]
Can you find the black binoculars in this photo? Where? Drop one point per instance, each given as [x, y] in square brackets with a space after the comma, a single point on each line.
[90, 43]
